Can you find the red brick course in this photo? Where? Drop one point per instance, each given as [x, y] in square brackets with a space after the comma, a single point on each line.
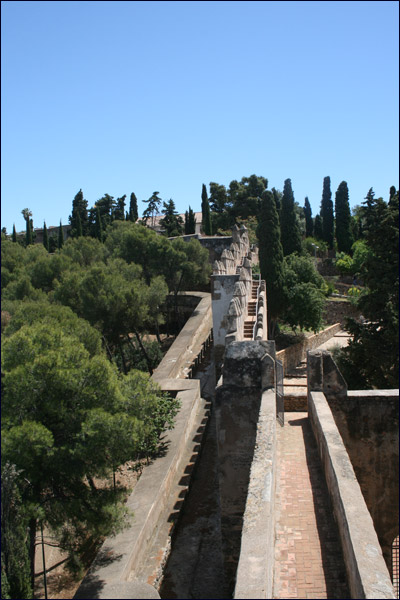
[308, 557]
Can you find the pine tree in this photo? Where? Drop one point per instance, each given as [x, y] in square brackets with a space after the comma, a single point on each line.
[171, 221]
[205, 210]
[133, 209]
[14, 234]
[153, 206]
[45, 237]
[60, 236]
[308, 217]
[327, 213]
[271, 257]
[344, 236]
[290, 231]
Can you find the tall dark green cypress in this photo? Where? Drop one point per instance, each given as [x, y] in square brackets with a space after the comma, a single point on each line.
[318, 227]
[133, 208]
[205, 210]
[45, 237]
[98, 225]
[191, 221]
[327, 213]
[290, 230]
[308, 218]
[344, 236]
[79, 210]
[60, 236]
[14, 234]
[271, 257]
[79, 226]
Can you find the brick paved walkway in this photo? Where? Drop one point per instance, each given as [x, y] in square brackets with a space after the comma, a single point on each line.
[308, 557]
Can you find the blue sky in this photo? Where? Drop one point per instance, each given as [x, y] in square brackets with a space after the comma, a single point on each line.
[121, 97]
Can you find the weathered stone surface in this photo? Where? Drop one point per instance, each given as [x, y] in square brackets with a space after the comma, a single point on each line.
[368, 422]
[366, 569]
[121, 590]
[254, 576]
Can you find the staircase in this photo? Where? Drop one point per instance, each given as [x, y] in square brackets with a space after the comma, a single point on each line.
[251, 313]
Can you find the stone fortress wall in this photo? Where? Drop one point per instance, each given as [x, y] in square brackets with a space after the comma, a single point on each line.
[246, 427]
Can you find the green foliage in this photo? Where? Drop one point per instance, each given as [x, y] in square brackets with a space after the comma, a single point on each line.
[172, 221]
[190, 223]
[14, 234]
[45, 237]
[15, 571]
[60, 236]
[303, 297]
[327, 213]
[119, 210]
[344, 263]
[290, 231]
[219, 201]
[153, 206]
[205, 210]
[79, 219]
[68, 417]
[314, 247]
[30, 312]
[344, 236]
[354, 294]
[271, 257]
[133, 208]
[245, 196]
[372, 357]
[308, 218]
[318, 232]
[26, 213]
[361, 256]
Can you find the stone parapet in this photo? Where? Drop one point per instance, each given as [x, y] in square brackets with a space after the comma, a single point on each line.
[114, 570]
[254, 577]
[294, 355]
[367, 573]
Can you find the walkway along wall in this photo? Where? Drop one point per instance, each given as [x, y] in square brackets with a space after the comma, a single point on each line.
[248, 374]
[367, 572]
[114, 572]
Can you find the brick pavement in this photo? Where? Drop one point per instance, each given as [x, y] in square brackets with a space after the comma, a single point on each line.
[308, 556]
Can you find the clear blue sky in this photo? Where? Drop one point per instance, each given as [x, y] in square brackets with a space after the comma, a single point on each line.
[121, 97]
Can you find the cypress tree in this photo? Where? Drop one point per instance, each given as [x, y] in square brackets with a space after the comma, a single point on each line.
[186, 222]
[271, 257]
[290, 230]
[45, 237]
[344, 236]
[133, 208]
[308, 217]
[318, 227]
[79, 211]
[79, 226]
[327, 213]
[28, 234]
[191, 221]
[98, 225]
[14, 234]
[205, 210]
[60, 236]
